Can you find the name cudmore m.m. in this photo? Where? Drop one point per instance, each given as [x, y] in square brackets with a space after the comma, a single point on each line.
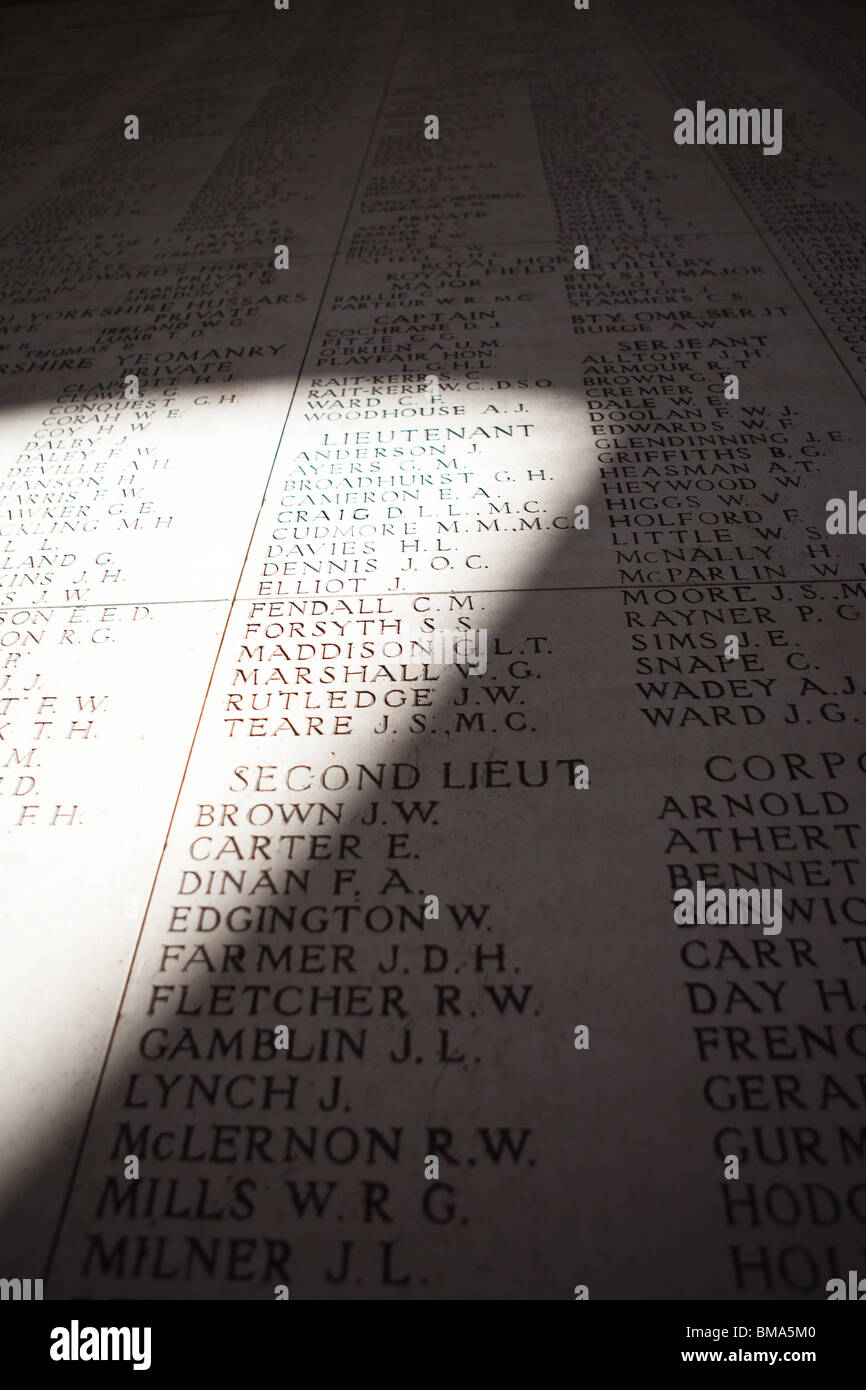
[736, 126]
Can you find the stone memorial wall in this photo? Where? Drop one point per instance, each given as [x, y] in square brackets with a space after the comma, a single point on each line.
[432, 597]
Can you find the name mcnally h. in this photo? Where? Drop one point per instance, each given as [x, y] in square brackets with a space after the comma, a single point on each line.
[736, 126]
